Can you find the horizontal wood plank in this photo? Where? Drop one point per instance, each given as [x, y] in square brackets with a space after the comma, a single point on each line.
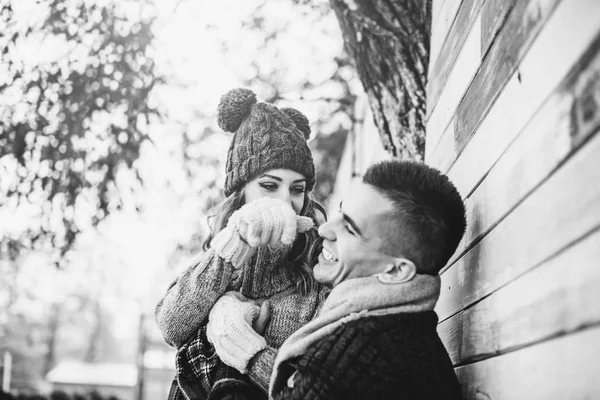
[560, 296]
[451, 334]
[569, 116]
[528, 235]
[443, 14]
[555, 52]
[501, 56]
[440, 71]
[461, 75]
[450, 294]
[564, 368]
[492, 16]
[523, 25]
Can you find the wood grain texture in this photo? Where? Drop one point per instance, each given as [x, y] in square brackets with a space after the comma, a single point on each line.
[440, 71]
[482, 94]
[556, 51]
[451, 333]
[558, 297]
[528, 236]
[459, 78]
[564, 368]
[565, 120]
[522, 27]
[443, 15]
[494, 14]
[450, 294]
[487, 24]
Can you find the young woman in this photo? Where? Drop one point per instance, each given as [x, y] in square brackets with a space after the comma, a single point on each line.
[263, 243]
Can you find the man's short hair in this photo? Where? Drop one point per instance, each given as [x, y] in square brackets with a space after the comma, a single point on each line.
[429, 212]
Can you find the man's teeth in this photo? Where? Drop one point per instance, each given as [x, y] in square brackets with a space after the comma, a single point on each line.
[328, 256]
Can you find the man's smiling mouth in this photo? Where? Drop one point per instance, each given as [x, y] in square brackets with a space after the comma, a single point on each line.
[328, 256]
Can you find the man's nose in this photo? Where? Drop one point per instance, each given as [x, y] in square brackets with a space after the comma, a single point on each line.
[326, 231]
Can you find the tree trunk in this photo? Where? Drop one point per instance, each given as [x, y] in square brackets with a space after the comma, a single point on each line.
[389, 43]
[52, 338]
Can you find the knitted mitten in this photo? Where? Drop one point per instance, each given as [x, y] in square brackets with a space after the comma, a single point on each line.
[266, 221]
[230, 331]
[231, 247]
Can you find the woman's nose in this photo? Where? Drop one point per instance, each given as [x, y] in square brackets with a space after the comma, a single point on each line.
[284, 196]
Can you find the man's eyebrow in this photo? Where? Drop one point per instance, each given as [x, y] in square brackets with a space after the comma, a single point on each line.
[272, 177]
[350, 221]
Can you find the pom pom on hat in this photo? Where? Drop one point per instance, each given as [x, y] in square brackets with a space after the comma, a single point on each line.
[300, 121]
[234, 107]
[264, 137]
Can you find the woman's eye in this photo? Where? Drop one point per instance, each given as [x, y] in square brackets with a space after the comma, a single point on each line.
[268, 186]
[298, 190]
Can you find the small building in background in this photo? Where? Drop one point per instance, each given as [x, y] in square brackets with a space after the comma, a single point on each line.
[156, 362]
[108, 379]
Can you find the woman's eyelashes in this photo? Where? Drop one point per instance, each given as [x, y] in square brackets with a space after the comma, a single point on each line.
[297, 190]
[273, 187]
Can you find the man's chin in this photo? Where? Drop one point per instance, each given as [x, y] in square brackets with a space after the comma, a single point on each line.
[325, 274]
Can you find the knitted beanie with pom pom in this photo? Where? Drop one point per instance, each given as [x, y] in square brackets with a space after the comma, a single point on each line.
[265, 137]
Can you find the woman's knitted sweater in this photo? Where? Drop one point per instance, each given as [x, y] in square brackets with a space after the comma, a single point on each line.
[187, 303]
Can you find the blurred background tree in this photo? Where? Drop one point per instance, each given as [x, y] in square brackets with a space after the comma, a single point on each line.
[291, 54]
[71, 120]
[75, 83]
[110, 157]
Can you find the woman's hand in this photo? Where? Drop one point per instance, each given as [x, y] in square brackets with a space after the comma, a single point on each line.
[235, 328]
[266, 221]
[269, 221]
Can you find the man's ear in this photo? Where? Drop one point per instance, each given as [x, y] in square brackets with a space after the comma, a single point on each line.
[401, 271]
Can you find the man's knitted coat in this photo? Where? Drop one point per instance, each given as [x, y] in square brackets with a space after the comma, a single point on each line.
[185, 307]
[393, 356]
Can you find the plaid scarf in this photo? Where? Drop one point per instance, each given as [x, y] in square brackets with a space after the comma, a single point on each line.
[200, 372]
[202, 375]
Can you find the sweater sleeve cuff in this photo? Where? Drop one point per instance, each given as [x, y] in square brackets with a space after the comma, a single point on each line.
[260, 368]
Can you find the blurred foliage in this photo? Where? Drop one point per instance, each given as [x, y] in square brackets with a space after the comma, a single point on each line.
[324, 87]
[333, 92]
[76, 78]
[73, 129]
[68, 124]
[328, 86]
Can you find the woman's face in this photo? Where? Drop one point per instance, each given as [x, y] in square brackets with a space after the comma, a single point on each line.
[283, 184]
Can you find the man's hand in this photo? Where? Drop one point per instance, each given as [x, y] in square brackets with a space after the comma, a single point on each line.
[230, 329]
[260, 323]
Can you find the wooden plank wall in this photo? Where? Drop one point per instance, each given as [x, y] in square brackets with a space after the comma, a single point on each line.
[513, 119]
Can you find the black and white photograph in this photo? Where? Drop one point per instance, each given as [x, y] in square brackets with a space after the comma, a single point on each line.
[299, 199]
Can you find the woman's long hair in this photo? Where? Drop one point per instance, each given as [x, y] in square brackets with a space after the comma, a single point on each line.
[306, 249]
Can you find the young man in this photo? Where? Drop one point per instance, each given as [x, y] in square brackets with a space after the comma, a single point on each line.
[375, 337]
